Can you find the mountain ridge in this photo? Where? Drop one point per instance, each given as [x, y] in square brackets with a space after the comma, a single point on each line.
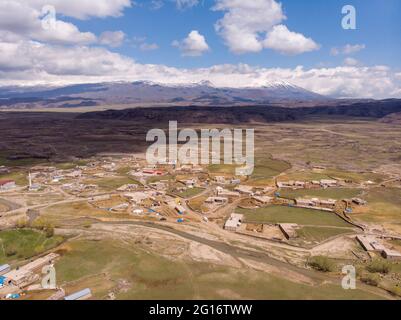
[204, 93]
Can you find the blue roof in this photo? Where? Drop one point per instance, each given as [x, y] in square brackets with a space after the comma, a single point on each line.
[2, 279]
[79, 294]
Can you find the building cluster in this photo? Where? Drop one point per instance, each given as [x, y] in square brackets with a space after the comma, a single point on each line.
[316, 203]
[17, 280]
[14, 282]
[293, 184]
[371, 244]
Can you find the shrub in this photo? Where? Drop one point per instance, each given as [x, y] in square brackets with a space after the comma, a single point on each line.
[370, 279]
[39, 224]
[321, 263]
[396, 290]
[379, 266]
[22, 223]
[11, 251]
[49, 231]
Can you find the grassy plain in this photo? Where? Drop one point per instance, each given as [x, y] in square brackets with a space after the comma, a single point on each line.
[332, 193]
[319, 234]
[25, 243]
[285, 214]
[137, 274]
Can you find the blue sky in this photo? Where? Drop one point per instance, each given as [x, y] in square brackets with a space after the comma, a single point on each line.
[231, 43]
[378, 28]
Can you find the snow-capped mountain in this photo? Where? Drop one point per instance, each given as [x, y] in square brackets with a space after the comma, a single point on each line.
[202, 93]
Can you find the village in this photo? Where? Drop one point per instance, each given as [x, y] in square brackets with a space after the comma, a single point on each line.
[125, 187]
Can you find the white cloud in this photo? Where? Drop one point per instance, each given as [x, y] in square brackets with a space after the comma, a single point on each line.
[193, 45]
[19, 20]
[351, 61]
[251, 26]
[156, 4]
[112, 39]
[30, 54]
[82, 9]
[148, 46]
[185, 4]
[347, 49]
[288, 42]
[28, 63]
[143, 45]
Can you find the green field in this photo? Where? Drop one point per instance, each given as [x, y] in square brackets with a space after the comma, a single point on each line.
[101, 265]
[222, 168]
[189, 193]
[319, 234]
[330, 193]
[354, 176]
[384, 205]
[332, 174]
[23, 244]
[70, 165]
[20, 178]
[265, 168]
[110, 184]
[303, 176]
[285, 214]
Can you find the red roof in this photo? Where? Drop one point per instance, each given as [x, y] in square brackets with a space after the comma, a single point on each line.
[3, 182]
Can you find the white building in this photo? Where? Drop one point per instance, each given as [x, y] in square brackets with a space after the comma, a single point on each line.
[247, 190]
[263, 199]
[4, 269]
[7, 185]
[217, 200]
[234, 222]
[326, 183]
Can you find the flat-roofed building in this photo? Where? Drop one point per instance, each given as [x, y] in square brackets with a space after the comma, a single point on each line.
[20, 278]
[39, 263]
[80, 295]
[136, 197]
[305, 202]
[221, 179]
[227, 193]
[7, 185]
[289, 230]
[300, 184]
[247, 190]
[216, 200]
[366, 242]
[4, 269]
[234, 222]
[359, 202]
[327, 203]
[263, 199]
[391, 254]
[328, 183]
